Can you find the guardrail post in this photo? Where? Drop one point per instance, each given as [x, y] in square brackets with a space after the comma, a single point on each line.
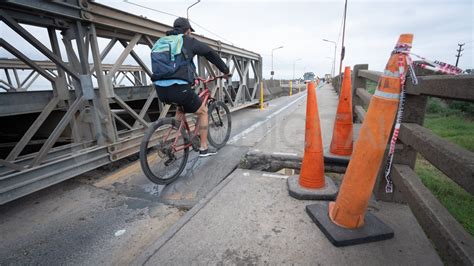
[357, 82]
[414, 112]
[335, 84]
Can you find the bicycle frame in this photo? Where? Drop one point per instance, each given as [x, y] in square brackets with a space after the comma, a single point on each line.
[205, 96]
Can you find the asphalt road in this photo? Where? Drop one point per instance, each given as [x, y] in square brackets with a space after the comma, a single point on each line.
[107, 216]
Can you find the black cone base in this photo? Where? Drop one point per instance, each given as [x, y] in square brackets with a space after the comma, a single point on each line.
[373, 230]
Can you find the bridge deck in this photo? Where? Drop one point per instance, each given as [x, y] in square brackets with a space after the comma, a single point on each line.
[250, 218]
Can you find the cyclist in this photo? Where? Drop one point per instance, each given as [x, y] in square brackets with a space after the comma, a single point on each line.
[176, 89]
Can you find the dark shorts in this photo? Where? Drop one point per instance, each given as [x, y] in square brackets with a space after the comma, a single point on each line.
[180, 94]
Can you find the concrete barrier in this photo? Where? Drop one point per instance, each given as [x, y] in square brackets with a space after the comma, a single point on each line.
[277, 88]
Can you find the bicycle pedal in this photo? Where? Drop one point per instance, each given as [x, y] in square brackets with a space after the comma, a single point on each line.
[168, 162]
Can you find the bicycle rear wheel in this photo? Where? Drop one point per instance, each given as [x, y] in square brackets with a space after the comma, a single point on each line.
[220, 124]
[159, 159]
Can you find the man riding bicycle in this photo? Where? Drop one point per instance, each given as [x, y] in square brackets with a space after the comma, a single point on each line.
[175, 87]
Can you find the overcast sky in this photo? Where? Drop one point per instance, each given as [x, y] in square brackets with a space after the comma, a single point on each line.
[371, 32]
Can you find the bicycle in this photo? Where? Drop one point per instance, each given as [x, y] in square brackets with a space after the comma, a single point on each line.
[165, 146]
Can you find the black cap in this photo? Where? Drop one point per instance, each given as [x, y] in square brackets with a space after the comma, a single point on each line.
[182, 23]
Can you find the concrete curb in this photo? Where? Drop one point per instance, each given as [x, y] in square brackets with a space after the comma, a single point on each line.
[143, 258]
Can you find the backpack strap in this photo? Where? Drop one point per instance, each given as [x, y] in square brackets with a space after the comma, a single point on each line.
[189, 60]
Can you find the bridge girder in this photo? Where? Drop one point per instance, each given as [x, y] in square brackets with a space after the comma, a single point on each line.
[86, 92]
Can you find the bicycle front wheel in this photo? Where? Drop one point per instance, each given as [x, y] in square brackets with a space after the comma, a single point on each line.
[163, 155]
[220, 124]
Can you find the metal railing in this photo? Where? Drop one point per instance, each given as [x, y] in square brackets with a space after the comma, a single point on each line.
[454, 244]
[86, 119]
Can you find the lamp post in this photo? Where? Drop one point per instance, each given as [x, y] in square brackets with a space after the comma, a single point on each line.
[187, 10]
[334, 59]
[343, 49]
[294, 62]
[272, 72]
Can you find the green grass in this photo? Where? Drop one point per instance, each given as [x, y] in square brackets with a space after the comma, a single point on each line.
[454, 122]
[455, 199]
[455, 128]
[371, 86]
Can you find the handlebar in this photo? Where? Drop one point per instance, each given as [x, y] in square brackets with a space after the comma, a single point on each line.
[204, 81]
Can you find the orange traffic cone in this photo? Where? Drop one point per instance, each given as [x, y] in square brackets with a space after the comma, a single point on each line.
[312, 169]
[312, 184]
[349, 210]
[341, 143]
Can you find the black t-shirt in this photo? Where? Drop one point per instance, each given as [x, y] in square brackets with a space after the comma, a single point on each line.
[194, 47]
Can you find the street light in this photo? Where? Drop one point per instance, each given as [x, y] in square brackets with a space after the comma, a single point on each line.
[272, 72]
[294, 62]
[187, 10]
[334, 59]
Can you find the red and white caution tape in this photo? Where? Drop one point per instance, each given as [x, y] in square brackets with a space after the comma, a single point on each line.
[401, 50]
[437, 66]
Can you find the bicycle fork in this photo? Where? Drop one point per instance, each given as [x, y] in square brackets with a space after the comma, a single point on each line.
[220, 124]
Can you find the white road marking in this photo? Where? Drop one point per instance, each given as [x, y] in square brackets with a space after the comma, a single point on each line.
[285, 153]
[234, 139]
[277, 176]
[120, 232]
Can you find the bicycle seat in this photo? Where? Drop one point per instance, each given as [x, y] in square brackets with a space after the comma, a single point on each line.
[173, 104]
[179, 107]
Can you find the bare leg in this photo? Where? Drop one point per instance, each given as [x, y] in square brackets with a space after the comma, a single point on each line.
[203, 122]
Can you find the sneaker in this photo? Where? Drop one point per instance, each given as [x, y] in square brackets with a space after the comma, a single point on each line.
[207, 152]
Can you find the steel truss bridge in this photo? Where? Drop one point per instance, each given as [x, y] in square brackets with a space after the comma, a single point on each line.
[87, 118]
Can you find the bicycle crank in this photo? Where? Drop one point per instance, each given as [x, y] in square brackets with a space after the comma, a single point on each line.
[170, 160]
[196, 142]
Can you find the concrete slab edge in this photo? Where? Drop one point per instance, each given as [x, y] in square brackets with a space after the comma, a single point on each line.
[143, 258]
[274, 161]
